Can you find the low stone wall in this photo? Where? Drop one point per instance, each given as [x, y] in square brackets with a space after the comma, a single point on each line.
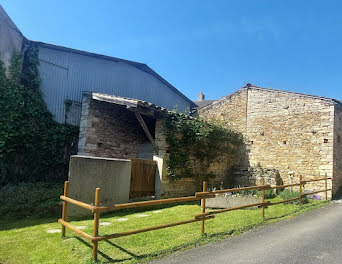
[224, 201]
[88, 173]
[254, 175]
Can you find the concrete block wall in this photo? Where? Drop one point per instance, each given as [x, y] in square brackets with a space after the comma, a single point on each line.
[88, 173]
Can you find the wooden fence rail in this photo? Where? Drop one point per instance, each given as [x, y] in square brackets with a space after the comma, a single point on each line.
[96, 209]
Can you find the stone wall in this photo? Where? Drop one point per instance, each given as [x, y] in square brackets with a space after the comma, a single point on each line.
[186, 186]
[291, 133]
[109, 130]
[286, 132]
[231, 110]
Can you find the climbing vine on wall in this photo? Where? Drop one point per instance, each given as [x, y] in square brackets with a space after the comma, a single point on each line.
[194, 144]
[33, 147]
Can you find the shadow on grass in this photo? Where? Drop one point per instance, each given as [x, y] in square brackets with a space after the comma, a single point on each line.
[108, 258]
[14, 222]
[11, 222]
[197, 242]
[207, 238]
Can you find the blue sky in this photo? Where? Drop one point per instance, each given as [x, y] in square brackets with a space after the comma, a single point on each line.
[210, 46]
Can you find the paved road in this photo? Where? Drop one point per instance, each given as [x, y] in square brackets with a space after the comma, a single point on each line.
[315, 237]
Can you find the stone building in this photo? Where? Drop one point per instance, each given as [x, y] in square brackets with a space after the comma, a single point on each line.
[287, 133]
[127, 128]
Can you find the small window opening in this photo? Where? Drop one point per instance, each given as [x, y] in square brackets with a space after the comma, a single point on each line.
[326, 140]
[252, 142]
[284, 142]
[338, 139]
[99, 145]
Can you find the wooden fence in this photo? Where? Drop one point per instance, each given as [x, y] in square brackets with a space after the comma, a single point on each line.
[97, 209]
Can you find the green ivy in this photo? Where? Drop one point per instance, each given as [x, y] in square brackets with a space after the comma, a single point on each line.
[33, 147]
[194, 144]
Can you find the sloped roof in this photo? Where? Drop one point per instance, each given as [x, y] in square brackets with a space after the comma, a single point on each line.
[254, 87]
[141, 66]
[4, 18]
[130, 103]
[204, 103]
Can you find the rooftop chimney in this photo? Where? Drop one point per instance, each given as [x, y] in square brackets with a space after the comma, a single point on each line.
[201, 96]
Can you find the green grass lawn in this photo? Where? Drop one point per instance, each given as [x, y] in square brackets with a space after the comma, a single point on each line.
[27, 240]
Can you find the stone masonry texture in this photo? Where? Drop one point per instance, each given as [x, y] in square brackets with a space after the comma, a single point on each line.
[293, 134]
[110, 131]
[188, 186]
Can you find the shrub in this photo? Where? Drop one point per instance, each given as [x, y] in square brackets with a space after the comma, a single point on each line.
[287, 194]
[33, 146]
[193, 140]
[314, 196]
[269, 194]
[28, 199]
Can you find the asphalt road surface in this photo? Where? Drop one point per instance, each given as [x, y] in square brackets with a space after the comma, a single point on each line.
[314, 237]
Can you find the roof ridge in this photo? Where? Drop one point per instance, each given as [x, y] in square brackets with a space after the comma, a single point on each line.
[251, 86]
[141, 66]
[223, 98]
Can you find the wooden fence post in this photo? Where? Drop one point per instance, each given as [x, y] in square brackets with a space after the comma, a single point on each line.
[96, 223]
[64, 210]
[263, 199]
[326, 186]
[203, 207]
[300, 189]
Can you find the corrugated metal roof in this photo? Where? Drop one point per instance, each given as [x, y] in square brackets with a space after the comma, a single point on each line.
[67, 73]
[128, 102]
[138, 65]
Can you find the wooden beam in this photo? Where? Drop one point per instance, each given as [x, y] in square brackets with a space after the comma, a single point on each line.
[145, 204]
[147, 132]
[128, 233]
[77, 231]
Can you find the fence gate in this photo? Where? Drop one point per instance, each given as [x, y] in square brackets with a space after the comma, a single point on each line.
[143, 176]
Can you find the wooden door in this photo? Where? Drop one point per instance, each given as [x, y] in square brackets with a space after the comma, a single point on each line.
[143, 174]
